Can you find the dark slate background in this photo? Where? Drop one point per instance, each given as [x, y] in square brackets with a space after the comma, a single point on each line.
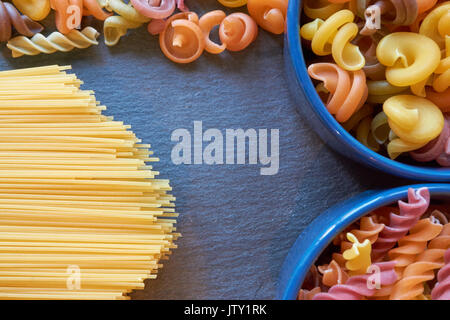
[237, 225]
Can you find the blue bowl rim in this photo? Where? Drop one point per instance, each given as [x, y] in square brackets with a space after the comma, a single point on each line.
[359, 151]
[300, 259]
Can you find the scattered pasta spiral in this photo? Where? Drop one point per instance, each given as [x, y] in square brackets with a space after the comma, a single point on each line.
[115, 27]
[10, 17]
[237, 31]
[182, 40]
[321, 9]
[207, 22]
[414, 243]
[37, 10]
[441, 291]
[269, 14]
[410, 213]
[347, 90]
[233, 3]
[155, 9]
[54, 42]
[126, 11]
[414, 120]
[356, 287]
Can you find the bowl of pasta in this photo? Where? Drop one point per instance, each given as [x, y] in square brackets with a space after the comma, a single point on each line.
[392, 244]
[373, 94]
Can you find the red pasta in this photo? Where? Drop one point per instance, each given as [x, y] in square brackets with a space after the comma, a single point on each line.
[10, 17]
[410, 213]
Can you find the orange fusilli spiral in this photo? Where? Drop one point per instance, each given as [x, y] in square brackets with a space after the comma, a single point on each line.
[237, 31]
[304, 294]
[207, 22]
[414, 243]
[348, 89]
[182, 39]
[269, 14]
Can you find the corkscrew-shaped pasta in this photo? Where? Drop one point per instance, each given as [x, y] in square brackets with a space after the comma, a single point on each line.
[437, 149]
[233, 3]
[365, 135]
[381, 90]
[354, 121]
[115, 27]
[237, 31]
[358, 256]
[439, 98]
[269, 14]
[65, 19]
[313, 278]
[436, 24]
[347, 90]
[304, 294]
[369, 229]
[155, 9]
[207, 22]
[414, 120]
[414, 243]
[54, 42]
[182, 40]
[416, 274]
[380, 128]
[441, 290]
[338, 30]
[37, 10]
[407, 63]
[357, 287]
[10, 17]
[443, 240]
[333, 274]
[399, 225]
[321, 9]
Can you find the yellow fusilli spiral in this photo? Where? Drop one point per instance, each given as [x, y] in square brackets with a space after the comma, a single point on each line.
[115, 27]
[54, 42]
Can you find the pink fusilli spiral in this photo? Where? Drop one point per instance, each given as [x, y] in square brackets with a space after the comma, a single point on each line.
[410, 213]
[441, 290]
[357, 287]
[438, 149]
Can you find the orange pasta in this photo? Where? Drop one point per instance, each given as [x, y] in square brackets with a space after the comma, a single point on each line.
[348, 90]
[269, 14]
[414, 243]
[65, 19]
[92, 8]
[206, 23]
[237, 31]
[441, 99]
[182, 39]
[308, 294]
[333, 274]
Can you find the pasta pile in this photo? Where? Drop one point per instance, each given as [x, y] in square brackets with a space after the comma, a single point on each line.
[407, 246]
[183, 36]
[385, 72]
[82, 216]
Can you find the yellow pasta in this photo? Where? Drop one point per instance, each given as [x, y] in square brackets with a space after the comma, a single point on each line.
[54, 42]
[358, 256]
[380, 128]
[321, 9]
[414, 120]
[35, 9]
[407, 62]
[436, 24]
[115, 27]
[365, 136]
[76, 195]
[124, 10]
[334, 36]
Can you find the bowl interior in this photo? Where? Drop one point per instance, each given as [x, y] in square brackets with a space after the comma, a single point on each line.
[319, 234]
[348, 145]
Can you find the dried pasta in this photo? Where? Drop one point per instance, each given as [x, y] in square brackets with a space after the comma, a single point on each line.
[233, 3]
[237, 31]
[418, 235]
[76, 192]
[269, 14]
[54, 42]
[10, 17]
[155, 9]
[37, 10]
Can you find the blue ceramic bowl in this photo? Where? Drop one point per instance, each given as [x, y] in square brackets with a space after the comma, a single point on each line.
[319, 234]
[324, 123]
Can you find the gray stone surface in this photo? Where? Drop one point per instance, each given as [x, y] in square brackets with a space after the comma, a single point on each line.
[237, 225]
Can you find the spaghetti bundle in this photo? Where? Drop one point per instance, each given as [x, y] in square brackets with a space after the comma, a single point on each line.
[82, 214]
